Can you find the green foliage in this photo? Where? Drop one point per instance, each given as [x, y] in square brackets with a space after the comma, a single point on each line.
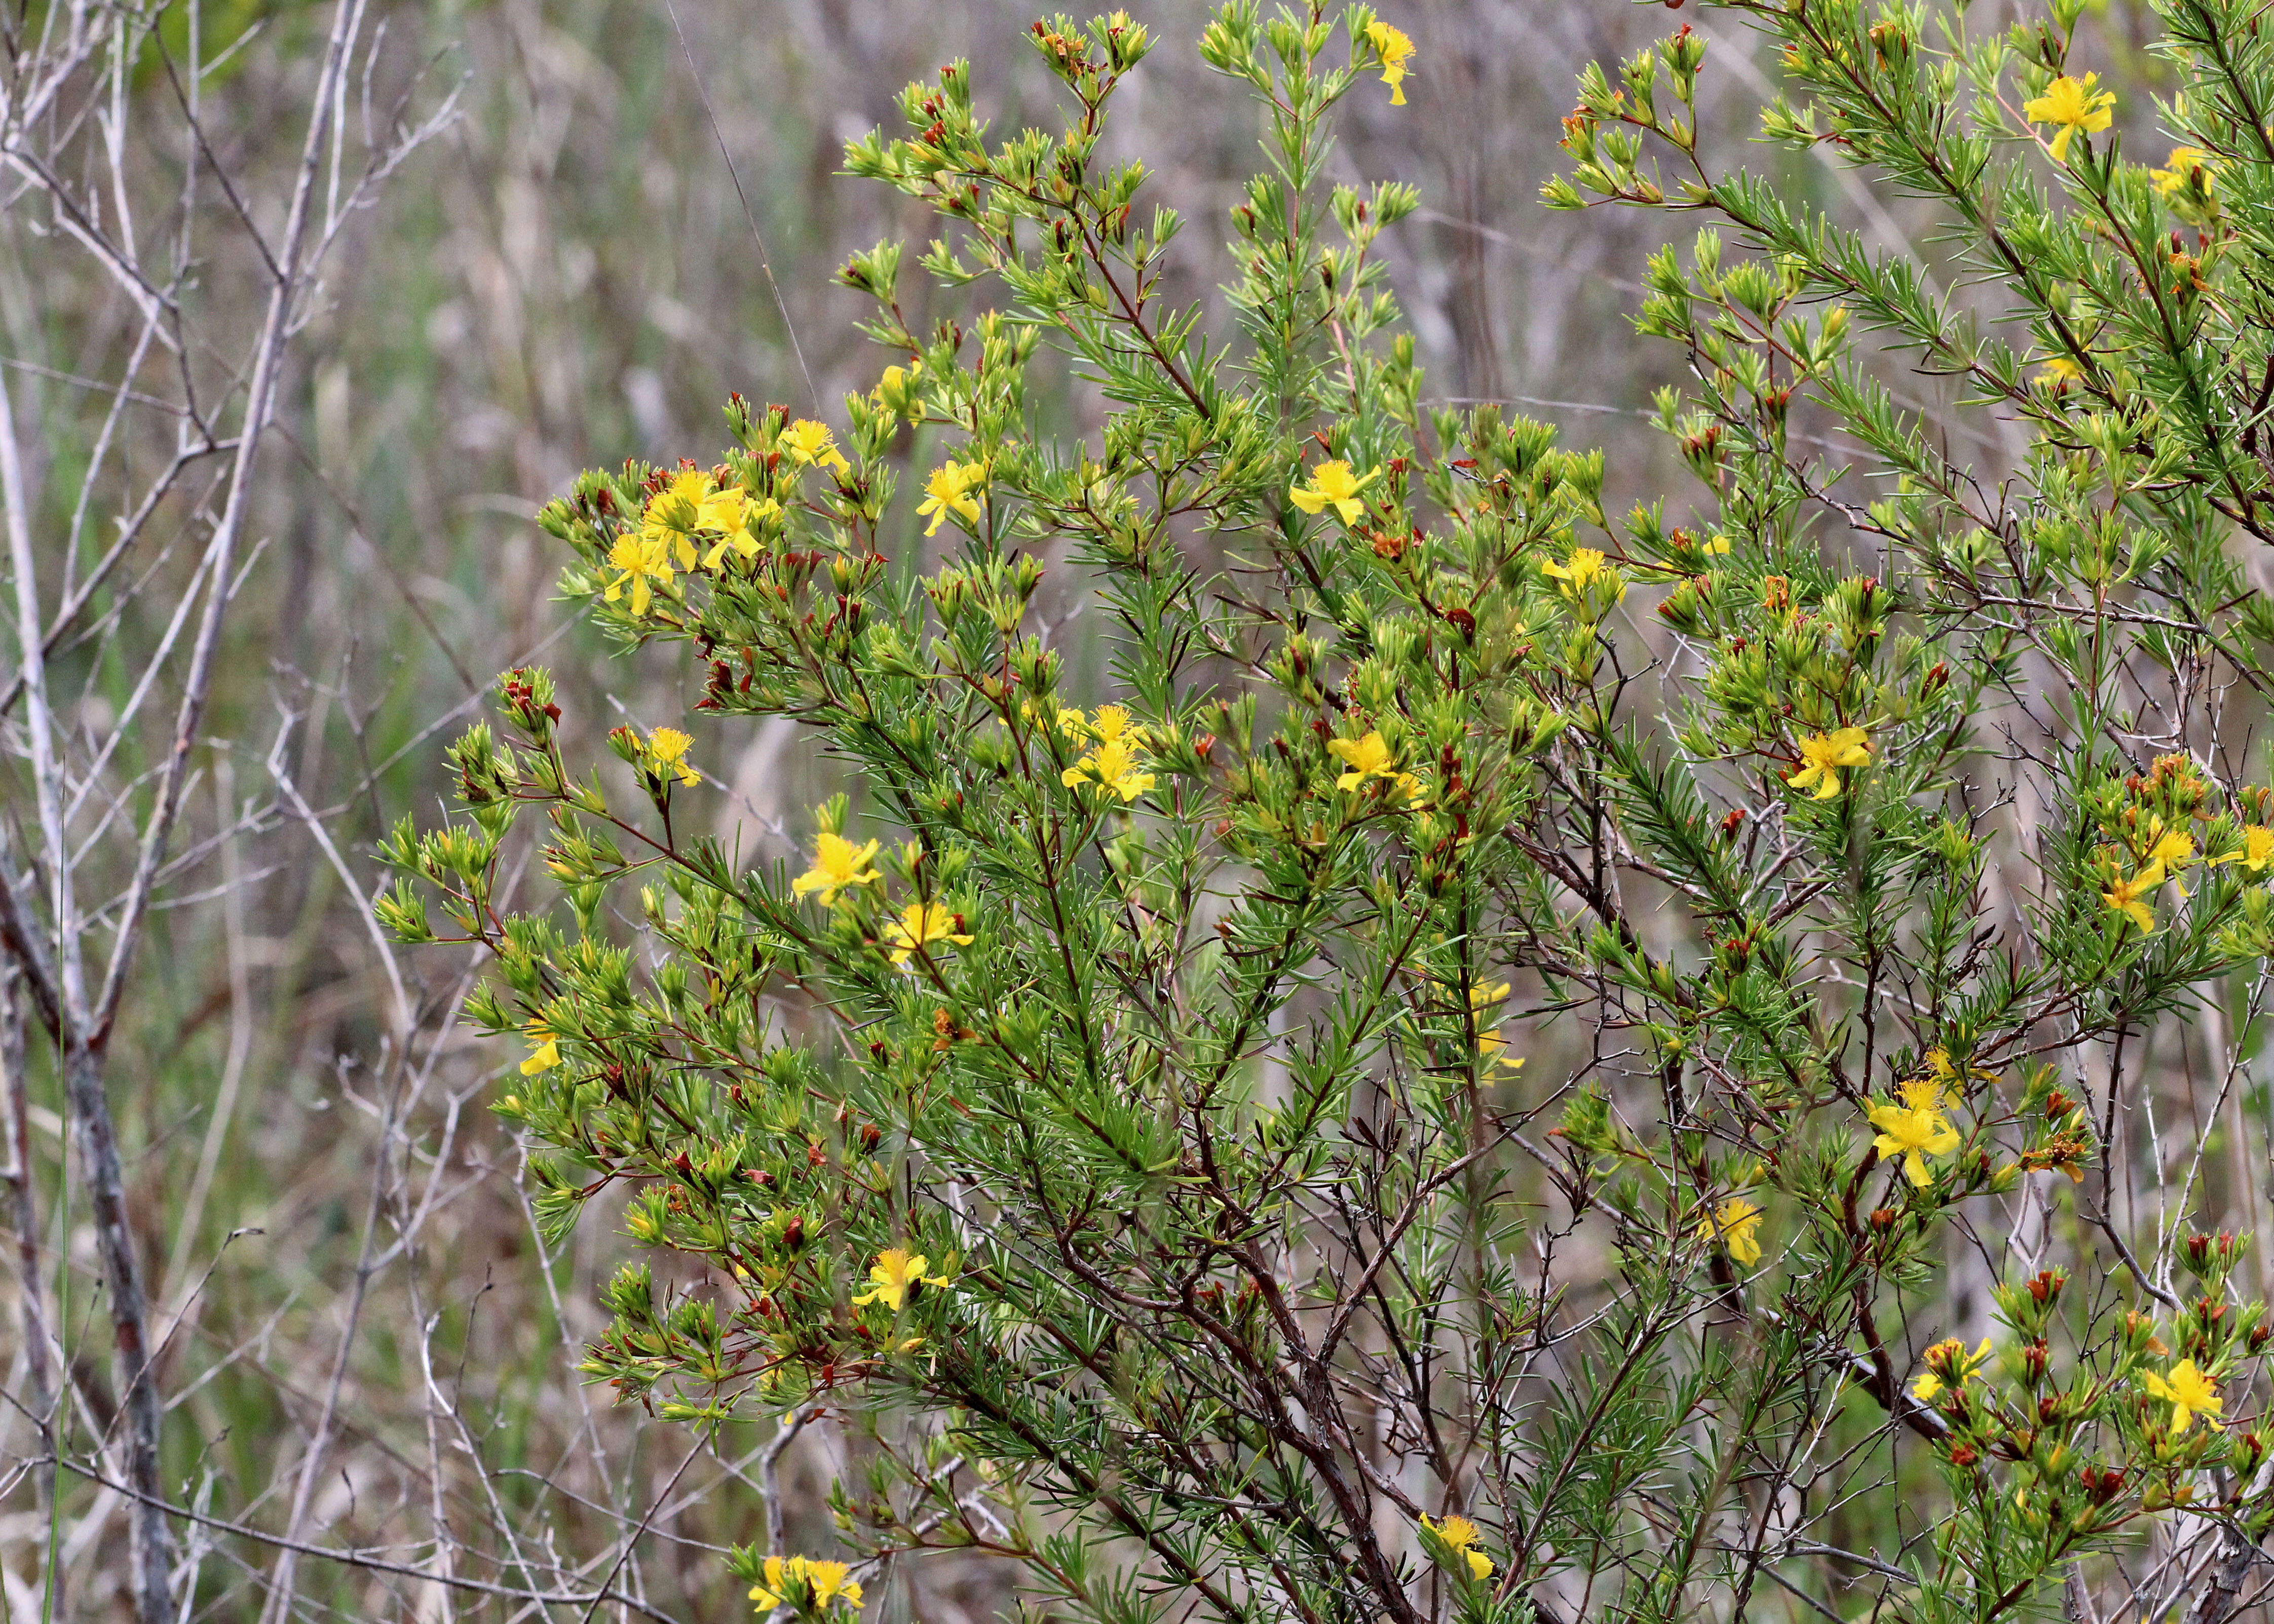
[1120, 1122]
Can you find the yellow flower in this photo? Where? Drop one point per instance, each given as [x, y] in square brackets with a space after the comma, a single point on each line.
[675, 510]
[949, 490]
[2130, 897]
[1925, 1093]
[2188, 1392]
[1113, 763]
[692, 501]
[1457, 1531]
[1575, 572]
[2181, 168]
[2058, 370]
[2174, 850]
[667, 753]
[735, 516]
[1369, 759]
[1823, 755]
[1588, 582]
[2074, 105]
[767, 1591]
[1070, 722]
[808, 442]
[1396, 50]
[804, 1582]
[1489, 1045]
[641, 558]
[919, 926]
[1461, 1534]
[895, 1277]
[1333, 485]
[1734, 1223]
[838, 865]
[723, 509]
[1949, 1365]
[1112, 722]
[2257, 849]
[1913, 1135]
[1484, 999]
[831, 1579]
[896, 390]
[546, 1053]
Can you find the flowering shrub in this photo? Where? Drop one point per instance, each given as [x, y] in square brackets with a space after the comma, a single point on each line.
[1118, 1119]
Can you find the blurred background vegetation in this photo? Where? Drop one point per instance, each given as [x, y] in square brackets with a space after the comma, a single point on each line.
[570, 273]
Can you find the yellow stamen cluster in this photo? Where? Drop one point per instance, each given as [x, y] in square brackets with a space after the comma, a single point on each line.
[664, 751]
[1461, 1535]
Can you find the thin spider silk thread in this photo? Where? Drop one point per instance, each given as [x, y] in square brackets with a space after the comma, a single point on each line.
[750, 219]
